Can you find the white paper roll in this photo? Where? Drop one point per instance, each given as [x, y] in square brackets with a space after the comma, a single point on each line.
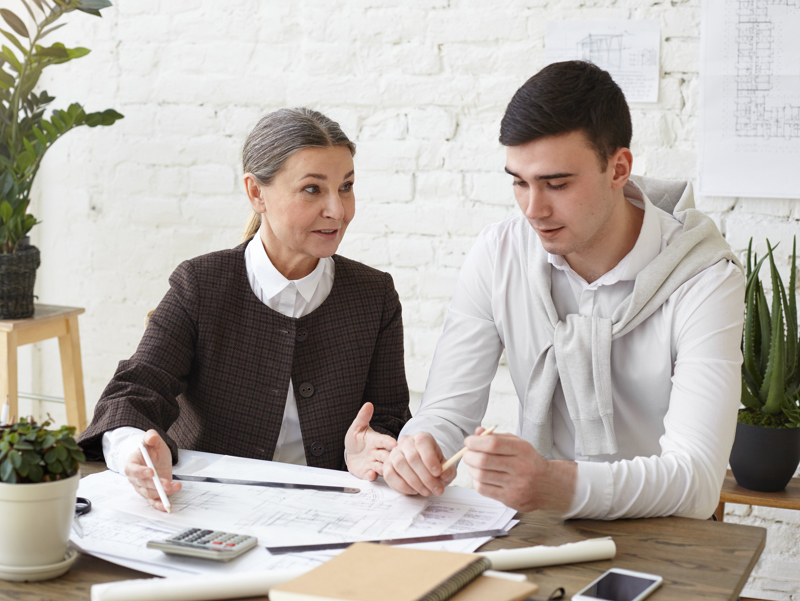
[194, 588]
[593, 549]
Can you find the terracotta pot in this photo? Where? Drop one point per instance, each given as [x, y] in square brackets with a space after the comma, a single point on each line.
[765, 459]
[37, 519]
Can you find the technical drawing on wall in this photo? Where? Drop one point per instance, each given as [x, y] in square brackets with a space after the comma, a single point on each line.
[627, 49]
[750, 98]
[760, 112]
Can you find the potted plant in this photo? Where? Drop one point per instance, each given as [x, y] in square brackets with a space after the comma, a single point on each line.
[26, 135]
[39, 469]
[766, 451]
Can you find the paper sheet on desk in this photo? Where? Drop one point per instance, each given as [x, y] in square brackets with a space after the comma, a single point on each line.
[121, 522]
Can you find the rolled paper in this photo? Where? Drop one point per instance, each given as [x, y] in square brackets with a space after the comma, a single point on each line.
[593, 549]
[197, 587]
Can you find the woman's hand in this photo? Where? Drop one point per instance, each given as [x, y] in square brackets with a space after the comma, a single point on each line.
[365, 449]
[141, 476]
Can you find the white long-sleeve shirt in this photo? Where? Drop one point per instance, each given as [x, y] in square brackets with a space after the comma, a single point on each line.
[293, 298]
[676, 377]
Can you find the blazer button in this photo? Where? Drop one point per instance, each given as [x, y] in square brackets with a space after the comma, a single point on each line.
[306, 389]
[317, 449]
[302, 334]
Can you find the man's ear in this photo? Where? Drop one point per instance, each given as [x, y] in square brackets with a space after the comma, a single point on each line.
[255, 193]
[620, 164]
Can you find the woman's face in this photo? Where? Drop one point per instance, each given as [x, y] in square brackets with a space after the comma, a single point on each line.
[306, 208]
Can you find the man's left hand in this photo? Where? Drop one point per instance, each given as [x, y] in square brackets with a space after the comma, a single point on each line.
[365, 449]
[507, 468]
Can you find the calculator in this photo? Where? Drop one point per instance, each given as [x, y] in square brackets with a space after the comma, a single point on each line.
[205, 544]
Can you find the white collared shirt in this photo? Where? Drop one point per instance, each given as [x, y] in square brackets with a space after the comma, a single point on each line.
[293, 298]
[675, 377]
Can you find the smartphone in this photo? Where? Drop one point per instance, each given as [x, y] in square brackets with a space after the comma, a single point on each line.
[620, 585]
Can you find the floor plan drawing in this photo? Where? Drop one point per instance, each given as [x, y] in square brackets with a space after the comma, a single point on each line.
[750, 98]
[760, 112]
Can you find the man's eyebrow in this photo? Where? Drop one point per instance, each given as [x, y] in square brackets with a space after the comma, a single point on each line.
[542, 177]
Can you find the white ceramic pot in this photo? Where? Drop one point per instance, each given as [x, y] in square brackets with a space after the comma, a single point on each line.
[36, 521]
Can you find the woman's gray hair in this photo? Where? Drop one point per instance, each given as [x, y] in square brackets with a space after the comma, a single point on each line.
[277, 136]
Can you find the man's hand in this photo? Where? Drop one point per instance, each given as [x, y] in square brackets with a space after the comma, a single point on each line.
[365, 449]
[141, 476]
[506, 468]
[415, 466]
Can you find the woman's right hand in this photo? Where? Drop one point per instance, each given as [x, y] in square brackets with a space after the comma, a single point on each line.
[141, 476]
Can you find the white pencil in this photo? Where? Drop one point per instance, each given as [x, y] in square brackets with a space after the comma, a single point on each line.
[161, 494]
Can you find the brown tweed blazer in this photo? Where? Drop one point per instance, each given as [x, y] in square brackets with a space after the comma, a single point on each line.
[212, 370]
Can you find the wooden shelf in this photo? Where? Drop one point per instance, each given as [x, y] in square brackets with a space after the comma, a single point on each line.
[786, 499]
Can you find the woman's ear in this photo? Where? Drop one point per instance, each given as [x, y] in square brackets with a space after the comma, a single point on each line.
[254, 193]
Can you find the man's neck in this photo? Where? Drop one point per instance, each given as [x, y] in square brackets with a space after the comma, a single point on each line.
[605, 253]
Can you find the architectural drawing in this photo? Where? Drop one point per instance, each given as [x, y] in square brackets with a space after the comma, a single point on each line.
[627, 49]
[750, 99]
[758, 113]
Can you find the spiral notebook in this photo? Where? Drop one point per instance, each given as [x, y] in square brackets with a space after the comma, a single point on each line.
[366, 571]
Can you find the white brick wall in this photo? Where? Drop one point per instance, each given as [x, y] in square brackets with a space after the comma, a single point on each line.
[421, 85]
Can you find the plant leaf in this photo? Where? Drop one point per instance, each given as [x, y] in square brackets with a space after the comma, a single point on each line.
[90, 11]
[51, 30]
[13, 39]
[14, 22]
[30, 12]
[96, 4]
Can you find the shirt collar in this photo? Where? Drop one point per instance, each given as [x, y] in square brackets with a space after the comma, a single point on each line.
[272, 281]
[647, 246]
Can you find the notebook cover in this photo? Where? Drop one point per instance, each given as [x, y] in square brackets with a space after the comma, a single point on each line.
[489, 588]
[366, 571]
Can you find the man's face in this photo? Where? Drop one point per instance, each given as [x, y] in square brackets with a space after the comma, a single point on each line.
[566, 197]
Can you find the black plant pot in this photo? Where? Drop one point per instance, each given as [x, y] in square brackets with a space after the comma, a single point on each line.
[17, 276]
[765, 459]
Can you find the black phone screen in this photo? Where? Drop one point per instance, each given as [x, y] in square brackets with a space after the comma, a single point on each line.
[618, 587]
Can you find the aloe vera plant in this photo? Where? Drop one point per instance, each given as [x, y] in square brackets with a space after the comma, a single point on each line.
[771, 347]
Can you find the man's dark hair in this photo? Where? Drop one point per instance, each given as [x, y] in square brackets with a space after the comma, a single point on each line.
[567, 97]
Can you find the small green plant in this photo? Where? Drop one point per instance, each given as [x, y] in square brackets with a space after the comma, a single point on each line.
[29, 452]
[771, 348]
[25, 133]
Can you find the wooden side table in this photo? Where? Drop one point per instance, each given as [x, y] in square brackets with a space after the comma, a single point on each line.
[733, 493]
[48, 321]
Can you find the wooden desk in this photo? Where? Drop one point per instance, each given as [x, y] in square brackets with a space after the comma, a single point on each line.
[48, 321]
[733, 493]
[698, 559]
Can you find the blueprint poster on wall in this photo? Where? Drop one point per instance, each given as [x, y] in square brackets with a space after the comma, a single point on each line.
[750, 99]
[627, 49]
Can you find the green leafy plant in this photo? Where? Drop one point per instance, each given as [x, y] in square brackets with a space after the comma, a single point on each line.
[29, 452]
[25, 133]
[771, 347]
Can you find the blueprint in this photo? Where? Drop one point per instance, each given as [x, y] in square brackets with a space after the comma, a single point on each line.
[750, 99]
[627, 49]
[120, 523]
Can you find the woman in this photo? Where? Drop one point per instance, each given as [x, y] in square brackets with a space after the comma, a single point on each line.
[276, 349]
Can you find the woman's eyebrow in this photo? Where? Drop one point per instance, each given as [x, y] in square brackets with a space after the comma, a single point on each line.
[325, 177]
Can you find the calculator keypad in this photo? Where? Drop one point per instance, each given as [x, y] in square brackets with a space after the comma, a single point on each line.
[209, 544]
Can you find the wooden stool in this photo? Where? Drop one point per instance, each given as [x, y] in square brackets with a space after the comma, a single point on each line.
[48, 321]
[733, 493]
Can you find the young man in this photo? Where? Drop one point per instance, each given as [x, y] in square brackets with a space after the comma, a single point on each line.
[621, 316]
